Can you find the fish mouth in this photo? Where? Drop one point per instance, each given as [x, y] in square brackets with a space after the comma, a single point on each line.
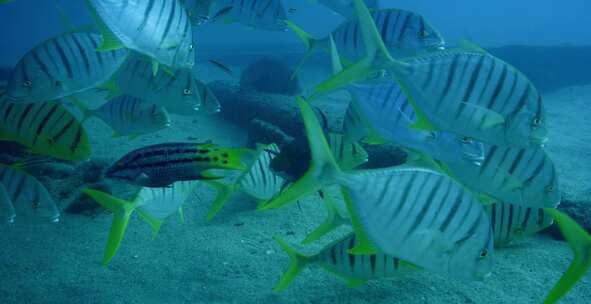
[539, 137]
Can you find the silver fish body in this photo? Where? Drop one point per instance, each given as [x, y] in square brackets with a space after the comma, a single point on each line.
[20, 191]
[423, 217]
[178, 91]
[62, 66]
[260, 181]
[160, 29]
[477, 95]
[130, 116]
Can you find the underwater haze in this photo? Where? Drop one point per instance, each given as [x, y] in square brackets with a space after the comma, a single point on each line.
[295, 151]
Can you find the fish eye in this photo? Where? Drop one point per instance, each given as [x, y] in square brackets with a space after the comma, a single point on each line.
[537, 121]
[190, 47]
[550, 188]
[58, 83]
[187, 92]
[35, 205]
[466, 139]
[27, 84]
[423, 34]
[483, 253]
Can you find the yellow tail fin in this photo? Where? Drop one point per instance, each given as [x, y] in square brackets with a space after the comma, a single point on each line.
[298, 263]
[580, 243]
[122, 211]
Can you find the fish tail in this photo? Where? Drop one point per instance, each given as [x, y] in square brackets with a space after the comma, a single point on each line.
[333, 220]
[323, 169]
[122, 211]
[363, 245]
[376, 51]
[154, 223]
[298, 263]
[310, 43]
[224, 192]
[580, 242]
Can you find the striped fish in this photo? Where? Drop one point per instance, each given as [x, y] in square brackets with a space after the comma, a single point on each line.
[466, 91]
[511, 221]
[525, 177]
[425, 218]
[62, 66]
[129, 116]
[178, 92]
[160, 29]
[209, 102]
[382, 111]
[475, 94]
[258, 182]
[346, 8]
[419, 215]
[404, 33]
[154, 205]
[44, 128]
[261, 14]
[20, 191]
[163, 164]
[336, 259]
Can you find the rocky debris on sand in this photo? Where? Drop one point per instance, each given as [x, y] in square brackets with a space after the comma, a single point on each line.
[263, 132]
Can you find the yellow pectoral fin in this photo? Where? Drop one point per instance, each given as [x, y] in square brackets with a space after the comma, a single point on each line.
[489, 117]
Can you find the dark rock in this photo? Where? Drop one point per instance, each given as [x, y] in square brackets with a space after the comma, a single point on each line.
[271, 76]
[263, 132]
[381, 156]
[92, 171]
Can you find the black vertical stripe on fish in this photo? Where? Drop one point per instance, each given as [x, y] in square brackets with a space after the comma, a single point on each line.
[511, 92]
[8, 110]
[473, 78]
[98, 55]
[498, 87]
[405, 192]
[22, 118]
[72, 51]
[18, 192]
[44, 122]
[450, 76]
[517, 160]
[83, 54]
[168, 23]
[540, 216]
[472, 230]
[426, 206]
[493, 217]
[487, 159]
[77, 139]
[536, 171]
[40, 63]
[487, 79]
[501, 224]
[63, 58]
[63, 130]
[34, 121]
[333, 257]
[510, 223]
[351, 256]
[147, 15]
[526, 218]
[403, 27]
[523, 100]
[456, 201]
[372, 263]
[49, 55]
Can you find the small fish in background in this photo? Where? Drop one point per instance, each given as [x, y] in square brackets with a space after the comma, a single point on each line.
[177, 91]
[154, 205]
[159, 29]
[45, 128]
[130, 116]
[346, 8]
[163, 164]
[221, 66]
[259, 181]
[209, 102]
[62, 66]
[375, 209]
[510, 222]
[335, 258]
[404, 33]
[22, 192]
[260, 14]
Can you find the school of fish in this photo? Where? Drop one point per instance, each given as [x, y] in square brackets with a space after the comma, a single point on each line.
[473, 127]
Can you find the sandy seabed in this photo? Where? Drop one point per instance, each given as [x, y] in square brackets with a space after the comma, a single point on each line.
[233, 259]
